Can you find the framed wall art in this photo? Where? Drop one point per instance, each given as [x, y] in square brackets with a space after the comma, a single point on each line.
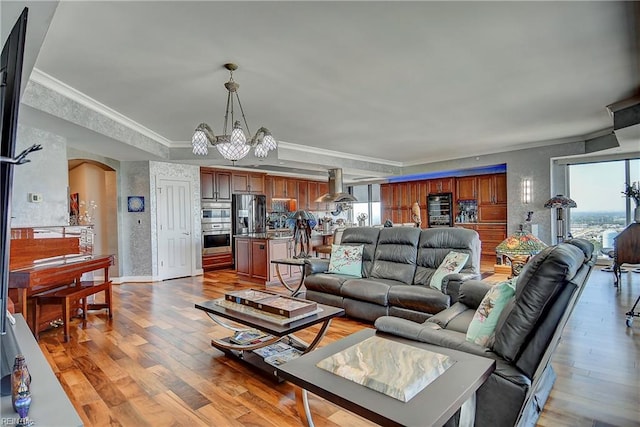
[135, 203]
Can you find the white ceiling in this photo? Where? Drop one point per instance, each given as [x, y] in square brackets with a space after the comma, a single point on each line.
[405, 82]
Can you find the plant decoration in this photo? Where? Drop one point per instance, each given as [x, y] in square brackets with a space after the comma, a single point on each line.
[362, 216]
[633, 192]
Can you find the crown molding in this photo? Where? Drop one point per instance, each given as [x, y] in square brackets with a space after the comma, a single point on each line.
[315, 151]
[65, 90]
[340, 154]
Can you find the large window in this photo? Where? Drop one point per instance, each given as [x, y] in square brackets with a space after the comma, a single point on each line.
[368, 203]
[602, 211]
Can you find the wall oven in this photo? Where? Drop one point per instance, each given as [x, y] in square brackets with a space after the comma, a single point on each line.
[216, 212]
[216, 227]
[216, 238]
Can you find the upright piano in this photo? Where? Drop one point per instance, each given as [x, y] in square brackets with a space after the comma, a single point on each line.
[44, 259]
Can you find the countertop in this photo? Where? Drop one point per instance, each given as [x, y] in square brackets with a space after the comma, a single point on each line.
[266, 236]
[280, 234]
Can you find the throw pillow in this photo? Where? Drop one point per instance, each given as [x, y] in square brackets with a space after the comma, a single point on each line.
[482, 328]
[452, 263]
[346, 260]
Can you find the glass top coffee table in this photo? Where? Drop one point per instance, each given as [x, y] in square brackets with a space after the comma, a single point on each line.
[434, 405]
[272, 326]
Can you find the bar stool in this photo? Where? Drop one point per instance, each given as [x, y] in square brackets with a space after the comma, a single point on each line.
[326, 249]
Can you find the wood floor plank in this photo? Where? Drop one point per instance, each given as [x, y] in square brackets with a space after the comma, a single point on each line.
[98, 414]
[156, 367]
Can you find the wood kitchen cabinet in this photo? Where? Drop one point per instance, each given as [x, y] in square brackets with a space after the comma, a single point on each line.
[492, 198]
[386, 196]
[313, 194]
[323, 188]
[243, 256]
[284, 188]
[397, 199]
[251, 259]
[441, 185]
[491, 235]
[248, 182]
[215, 185]
[492, 189]
[410, 194]
[259, 259]
[279, 189]
[397, 195]
[466, 188]
[303, 195]
[268, 191]
[214, 261]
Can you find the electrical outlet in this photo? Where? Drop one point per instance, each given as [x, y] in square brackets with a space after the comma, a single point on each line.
[35, 197]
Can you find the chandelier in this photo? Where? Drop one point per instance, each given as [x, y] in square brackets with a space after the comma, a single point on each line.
[234, 145]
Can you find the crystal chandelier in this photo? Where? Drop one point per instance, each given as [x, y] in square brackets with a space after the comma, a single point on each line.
[233, 146]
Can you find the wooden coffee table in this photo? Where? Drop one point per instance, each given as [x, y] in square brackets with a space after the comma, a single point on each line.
[432, 406]
[278, 332]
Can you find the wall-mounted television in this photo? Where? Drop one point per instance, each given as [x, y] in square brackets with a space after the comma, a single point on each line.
[10, 80]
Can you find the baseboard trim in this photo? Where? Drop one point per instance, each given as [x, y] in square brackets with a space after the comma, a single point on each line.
[144, 279]
[133, 279]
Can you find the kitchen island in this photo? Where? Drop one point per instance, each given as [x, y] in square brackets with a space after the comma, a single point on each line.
[254, 253]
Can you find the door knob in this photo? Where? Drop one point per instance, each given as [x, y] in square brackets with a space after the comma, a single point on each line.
[186, 234]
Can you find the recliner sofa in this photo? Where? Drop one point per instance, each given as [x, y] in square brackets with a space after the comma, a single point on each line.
[397, 266]
[526, 334]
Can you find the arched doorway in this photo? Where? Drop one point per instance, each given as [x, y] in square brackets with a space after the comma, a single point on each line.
[95, 185]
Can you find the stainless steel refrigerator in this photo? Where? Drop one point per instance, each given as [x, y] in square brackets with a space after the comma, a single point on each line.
[249, 213]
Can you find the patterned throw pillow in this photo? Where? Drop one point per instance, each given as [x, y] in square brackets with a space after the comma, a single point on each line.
[452, 263]
[346, 260]
[482, 328]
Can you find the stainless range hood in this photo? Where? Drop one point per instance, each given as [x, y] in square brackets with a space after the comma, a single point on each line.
[336, 193]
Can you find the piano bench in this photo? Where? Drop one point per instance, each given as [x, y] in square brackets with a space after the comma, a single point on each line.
[76, 292]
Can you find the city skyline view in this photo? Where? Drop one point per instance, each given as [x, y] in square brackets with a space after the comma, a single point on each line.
[601, 211]
[597, 187]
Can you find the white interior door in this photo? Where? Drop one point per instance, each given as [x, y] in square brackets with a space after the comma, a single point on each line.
[175, 243]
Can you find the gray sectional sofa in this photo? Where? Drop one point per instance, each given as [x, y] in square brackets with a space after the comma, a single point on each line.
[526, 335]
[397, 266]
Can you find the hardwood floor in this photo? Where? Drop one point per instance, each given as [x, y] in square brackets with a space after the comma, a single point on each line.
[152, 365]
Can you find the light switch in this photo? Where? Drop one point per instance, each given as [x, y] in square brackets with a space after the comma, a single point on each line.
[35, 197]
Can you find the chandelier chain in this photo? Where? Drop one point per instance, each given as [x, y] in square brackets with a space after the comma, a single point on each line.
[243, 116]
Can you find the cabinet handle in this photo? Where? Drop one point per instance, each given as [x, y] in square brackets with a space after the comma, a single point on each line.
[261, 246]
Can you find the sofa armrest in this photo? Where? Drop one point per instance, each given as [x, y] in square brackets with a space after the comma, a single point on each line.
[316, 265]
[443, 318]
[430, 333]
[472, 292]
[451, 283]
[402, 327]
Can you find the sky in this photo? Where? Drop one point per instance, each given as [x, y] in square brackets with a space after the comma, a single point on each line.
[597, 187]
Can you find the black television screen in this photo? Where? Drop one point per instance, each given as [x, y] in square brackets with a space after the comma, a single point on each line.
[10, 79]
